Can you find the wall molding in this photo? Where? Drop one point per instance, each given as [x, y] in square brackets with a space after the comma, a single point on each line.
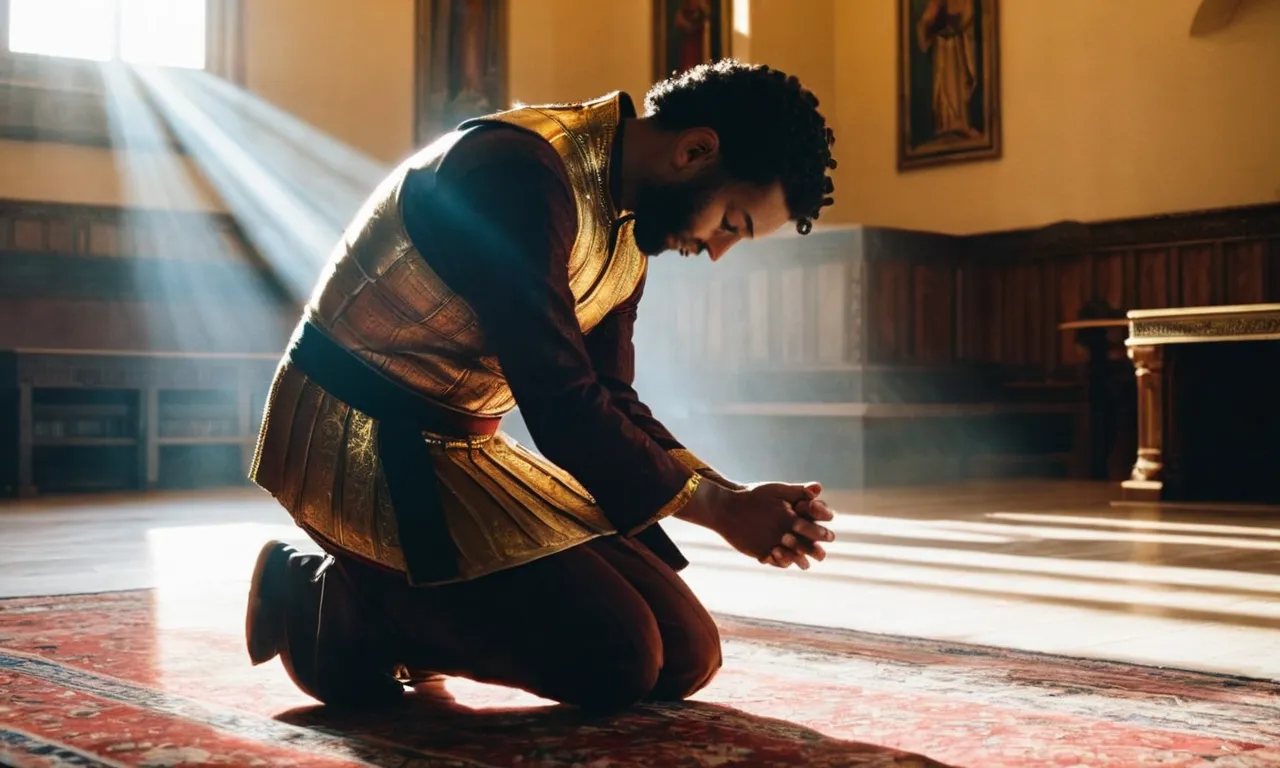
[28, 227]
[1066, 237]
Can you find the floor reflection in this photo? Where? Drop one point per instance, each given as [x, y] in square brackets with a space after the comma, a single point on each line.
[1038, 566]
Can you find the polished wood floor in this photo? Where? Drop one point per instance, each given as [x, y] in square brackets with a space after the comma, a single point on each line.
[1039, 566]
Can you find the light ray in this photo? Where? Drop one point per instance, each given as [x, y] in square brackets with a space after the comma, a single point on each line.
[1168, 526]
[293, 203]
[184, 269]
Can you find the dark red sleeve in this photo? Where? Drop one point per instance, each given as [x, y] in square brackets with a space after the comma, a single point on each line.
[612, 349]
[498, 226]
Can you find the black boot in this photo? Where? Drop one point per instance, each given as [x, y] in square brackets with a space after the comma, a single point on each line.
[304, 611]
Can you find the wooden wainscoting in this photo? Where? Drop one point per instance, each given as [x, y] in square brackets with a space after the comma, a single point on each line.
[836, 356]
[794, 339]
[136, 348]
[842, 315]
[1022, 284]
[93, 277]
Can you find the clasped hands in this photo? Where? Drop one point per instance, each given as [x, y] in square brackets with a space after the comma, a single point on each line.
[778, 524]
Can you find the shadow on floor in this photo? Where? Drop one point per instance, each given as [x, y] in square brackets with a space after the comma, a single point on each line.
[425, 731]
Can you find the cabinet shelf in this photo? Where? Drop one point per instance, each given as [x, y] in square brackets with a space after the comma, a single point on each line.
[84, 442]
[86, 421]
[198, 414]
[210, 440]
[61, 413]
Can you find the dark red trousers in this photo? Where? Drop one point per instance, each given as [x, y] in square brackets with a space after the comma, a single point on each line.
[601, 626]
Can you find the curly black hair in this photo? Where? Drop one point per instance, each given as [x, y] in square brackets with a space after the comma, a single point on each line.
[769, 126]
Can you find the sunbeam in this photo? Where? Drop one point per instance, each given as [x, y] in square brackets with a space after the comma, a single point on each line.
[192, 282]
[292, 234]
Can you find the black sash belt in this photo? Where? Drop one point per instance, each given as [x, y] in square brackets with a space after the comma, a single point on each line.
[402, 416]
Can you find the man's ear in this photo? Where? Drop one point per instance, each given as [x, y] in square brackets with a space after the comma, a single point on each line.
[695, 148]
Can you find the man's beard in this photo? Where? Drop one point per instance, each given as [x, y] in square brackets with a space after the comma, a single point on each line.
[666, 211]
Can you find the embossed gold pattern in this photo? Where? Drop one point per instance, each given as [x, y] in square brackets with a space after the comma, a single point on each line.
[671, 507]
[382, 301]
[379, 299]
[694, 464]
[504, 504]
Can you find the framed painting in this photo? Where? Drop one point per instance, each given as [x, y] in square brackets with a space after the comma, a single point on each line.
[687, 33]
[948, 82]
[460, 68]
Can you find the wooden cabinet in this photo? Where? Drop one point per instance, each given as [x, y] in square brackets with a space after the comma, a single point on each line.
[78, 421]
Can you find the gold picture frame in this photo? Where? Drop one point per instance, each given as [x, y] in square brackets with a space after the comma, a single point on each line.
[690, 32]
[948, 82]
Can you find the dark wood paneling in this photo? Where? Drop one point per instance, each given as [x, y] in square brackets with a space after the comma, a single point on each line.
[96, 277]
[1199, 259]
[890, 312]
[1069, 277]
[950, 320]
[997, 299]
[1245, 278]
[934, 310]
[190, 324]
[1108, 276]
[1273, 267]
[1198, 266]
[1056, 240]
[1153, 267]
[58, 276]
[988, 283]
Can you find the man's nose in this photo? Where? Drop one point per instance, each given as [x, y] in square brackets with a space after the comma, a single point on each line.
[719, 246]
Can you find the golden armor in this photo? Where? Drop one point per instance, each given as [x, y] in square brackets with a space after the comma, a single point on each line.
[380, 301]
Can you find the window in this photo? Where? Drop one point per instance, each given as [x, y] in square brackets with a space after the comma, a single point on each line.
[165, 32]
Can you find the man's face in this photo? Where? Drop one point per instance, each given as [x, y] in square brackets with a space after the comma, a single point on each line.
[705, 213]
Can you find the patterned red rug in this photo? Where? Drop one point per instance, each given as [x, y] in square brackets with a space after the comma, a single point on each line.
[121, 680]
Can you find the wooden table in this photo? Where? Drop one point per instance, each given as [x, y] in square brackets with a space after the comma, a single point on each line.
[1206, 420]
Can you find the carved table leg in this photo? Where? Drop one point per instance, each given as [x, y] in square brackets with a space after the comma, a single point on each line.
[1146, 482]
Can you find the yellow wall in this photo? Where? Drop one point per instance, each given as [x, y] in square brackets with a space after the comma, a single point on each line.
[344, 66]
[567, 50]
[65, 173]
[570, 50]
[798, 37]
[1110, 110]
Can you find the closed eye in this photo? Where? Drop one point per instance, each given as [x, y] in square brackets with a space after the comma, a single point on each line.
[727, 226]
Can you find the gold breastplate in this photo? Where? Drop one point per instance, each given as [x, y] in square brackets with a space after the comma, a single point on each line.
[380, 299]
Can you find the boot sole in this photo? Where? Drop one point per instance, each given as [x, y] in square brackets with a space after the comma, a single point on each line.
[264, 629]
